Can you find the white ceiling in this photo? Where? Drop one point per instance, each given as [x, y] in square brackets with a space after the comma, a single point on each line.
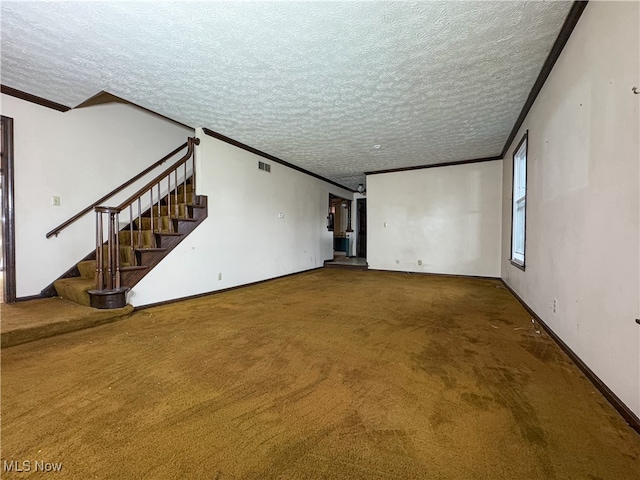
[314, 83]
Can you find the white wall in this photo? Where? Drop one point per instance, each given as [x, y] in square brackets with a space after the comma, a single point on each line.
[583, 240]
[79, 155]
[243, 238]
[448, 218]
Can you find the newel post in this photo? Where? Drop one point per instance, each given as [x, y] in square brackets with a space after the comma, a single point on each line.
[108, 292]
[109, 279]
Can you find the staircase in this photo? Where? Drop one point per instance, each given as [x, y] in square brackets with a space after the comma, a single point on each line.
[139, 234]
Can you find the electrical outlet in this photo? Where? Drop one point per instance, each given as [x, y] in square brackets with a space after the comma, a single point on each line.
[55, 201]
[555, 305]
[281, 215]
[419, 262]
[220, 276]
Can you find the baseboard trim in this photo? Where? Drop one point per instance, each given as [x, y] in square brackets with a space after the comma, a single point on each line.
[205, 294]
[612, 398]
[453, 275]
[30, 297]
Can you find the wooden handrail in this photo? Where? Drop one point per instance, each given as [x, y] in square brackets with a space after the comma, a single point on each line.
[56, 231]
[192, 141]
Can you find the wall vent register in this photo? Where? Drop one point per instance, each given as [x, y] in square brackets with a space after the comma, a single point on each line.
[264, 166]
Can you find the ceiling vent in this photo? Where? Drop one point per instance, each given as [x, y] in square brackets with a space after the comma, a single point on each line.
[264, 166]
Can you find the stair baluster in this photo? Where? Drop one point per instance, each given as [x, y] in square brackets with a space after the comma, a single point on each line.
[114, 237]
[159, 208]
[169, 196]
[184, 182]
[151, 216]
[99, 252]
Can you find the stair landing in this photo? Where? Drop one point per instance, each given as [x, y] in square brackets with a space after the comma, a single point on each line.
[350, 263]
[24, 322]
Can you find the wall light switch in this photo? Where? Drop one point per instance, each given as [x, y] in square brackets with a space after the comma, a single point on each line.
[55, 201]
[385, 224]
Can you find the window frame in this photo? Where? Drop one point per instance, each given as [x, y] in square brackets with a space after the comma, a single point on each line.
[516, 262]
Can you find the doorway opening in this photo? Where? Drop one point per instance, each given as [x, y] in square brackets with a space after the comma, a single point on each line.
[339, 222]
[361, 220]
[347, 243]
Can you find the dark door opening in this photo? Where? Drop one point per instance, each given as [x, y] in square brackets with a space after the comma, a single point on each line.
[361, 247]
[339, 222]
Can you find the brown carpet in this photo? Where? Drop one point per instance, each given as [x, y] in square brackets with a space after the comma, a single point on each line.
[325, 375]
[24, 322]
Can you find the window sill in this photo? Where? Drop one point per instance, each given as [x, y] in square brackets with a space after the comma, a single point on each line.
[516, 264]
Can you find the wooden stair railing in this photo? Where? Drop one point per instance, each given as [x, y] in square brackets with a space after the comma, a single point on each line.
[56, 231]
[169, 187]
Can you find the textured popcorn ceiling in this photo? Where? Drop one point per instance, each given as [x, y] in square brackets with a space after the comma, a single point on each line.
[314, 83]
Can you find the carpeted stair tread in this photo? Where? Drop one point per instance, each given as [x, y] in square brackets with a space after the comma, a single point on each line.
[127, 255]
[75, 289]
[181, 188]
[177, 209]
[165, 223]
[181, 198]
[87, 269]
[139, 239]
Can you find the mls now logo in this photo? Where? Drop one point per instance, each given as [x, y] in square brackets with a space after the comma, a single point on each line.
[29, 466]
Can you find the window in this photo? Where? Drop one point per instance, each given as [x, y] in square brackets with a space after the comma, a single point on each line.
[519, 206]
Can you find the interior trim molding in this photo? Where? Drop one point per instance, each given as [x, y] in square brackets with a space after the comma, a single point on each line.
[435, 165]
[525, 138]
[624, 411]
[43, 102]
[255, 151]
[103, 97]
[8, 199]
[563, 37]
[430, 274]
[98, 99]
[205, 294]
[30, 297]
